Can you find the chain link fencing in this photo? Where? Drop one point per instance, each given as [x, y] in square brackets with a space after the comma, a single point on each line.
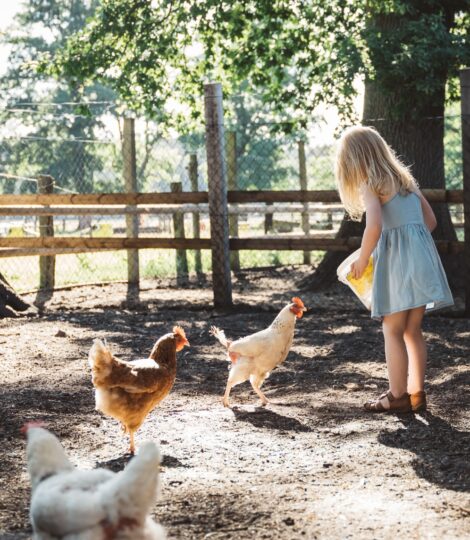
[258, 157]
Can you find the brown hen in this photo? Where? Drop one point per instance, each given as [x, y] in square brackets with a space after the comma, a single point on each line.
[129, 390]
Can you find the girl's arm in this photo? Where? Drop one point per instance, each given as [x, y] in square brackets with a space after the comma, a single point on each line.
[428, 215]
[371, 235]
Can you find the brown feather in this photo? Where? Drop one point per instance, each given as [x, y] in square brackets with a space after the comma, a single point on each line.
[131, 391]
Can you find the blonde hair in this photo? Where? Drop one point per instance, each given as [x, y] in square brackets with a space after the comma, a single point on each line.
[364, 159]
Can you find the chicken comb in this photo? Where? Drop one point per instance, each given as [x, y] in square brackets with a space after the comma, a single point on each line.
[28, 425]
[298, 302]
[179, 331]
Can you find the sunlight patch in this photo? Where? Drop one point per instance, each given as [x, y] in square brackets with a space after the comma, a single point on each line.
[346, 329]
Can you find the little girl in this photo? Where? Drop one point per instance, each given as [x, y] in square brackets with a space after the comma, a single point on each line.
[408, 274]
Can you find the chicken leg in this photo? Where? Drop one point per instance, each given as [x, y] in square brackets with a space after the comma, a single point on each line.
[227, 393]
[132, 443]
[255, 385]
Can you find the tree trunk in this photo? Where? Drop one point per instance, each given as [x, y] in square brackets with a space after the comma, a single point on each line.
[414, 128]
[9, 299]
[325, 273]
[418, 142]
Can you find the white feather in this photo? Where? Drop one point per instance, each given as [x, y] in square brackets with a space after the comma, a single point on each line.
[72, 504]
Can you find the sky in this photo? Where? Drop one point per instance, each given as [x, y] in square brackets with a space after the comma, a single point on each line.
[9, 9]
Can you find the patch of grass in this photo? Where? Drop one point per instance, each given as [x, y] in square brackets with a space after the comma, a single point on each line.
[157, 263]
[102, 230]
[91, 267]
[23, 272]
[14, 232]
[253, 259]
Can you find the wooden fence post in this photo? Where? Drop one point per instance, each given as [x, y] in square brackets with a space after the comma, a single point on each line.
[178, 227]
[268, 222]
[232, 186]
[329, 219]
[465, 110]
[192, 171]
[303, 187]
[217, 184]
[46, 228]
[130, 185]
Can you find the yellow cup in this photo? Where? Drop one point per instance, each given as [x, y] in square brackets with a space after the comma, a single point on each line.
[362, 287]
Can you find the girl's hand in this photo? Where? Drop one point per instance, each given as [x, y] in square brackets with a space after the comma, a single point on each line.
[358, 268]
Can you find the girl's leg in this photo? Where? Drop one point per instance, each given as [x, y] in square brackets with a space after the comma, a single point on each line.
[394, 326]
[416, 349]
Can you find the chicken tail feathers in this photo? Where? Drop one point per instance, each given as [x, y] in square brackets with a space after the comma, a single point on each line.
[134, 491]
[220, 336]
[45, 454]
[100, 358]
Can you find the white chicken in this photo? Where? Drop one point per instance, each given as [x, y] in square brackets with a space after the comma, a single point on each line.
[72, 504]
[255, 356]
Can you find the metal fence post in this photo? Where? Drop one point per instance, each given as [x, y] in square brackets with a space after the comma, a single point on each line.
[465, 110]
[46, 228]
[303, 187]
[178, 227]
[130, 185]
[232, 186]
[192, 171]
[217, 183]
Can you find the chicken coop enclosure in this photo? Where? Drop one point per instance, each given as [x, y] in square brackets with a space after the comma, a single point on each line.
[233, 200]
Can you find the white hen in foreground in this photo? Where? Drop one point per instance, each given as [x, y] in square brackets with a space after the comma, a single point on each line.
[254, 356]
[72, 504]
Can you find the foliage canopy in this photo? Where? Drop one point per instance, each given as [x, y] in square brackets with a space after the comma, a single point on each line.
[48, 114]
[295, 53]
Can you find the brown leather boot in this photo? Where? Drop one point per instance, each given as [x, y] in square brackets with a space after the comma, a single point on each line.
[418, 401]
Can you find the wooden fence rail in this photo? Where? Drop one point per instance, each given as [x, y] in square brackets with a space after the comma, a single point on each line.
[323, 196]
[261, 243]
[203, 208]
[134, 203]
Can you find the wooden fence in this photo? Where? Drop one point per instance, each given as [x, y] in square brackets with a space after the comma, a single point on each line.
[138, 203]
[218, 199]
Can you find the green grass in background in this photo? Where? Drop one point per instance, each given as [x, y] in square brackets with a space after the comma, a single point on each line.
[23, 272]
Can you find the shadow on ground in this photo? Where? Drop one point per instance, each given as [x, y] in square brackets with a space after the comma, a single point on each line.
[264, 418]
[442, 452]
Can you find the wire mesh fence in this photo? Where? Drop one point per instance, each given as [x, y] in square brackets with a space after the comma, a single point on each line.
[258, 156]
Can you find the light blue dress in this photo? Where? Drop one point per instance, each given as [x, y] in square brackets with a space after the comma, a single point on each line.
[408, 272]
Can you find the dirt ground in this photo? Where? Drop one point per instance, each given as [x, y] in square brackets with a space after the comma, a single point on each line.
[312, 464]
